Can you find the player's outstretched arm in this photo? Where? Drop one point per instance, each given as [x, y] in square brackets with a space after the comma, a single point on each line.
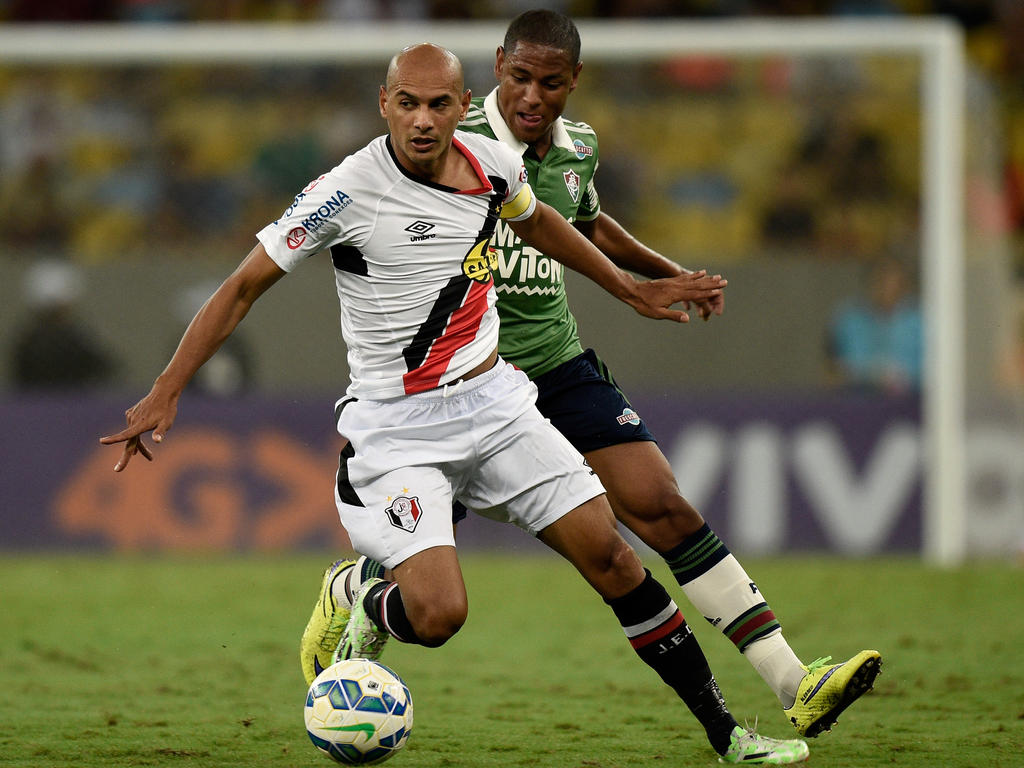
[547, 231]
[625, 251]
[214, 322]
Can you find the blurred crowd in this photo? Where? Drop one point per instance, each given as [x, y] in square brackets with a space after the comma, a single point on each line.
[770, 156]
[117, 152]
[776, 156]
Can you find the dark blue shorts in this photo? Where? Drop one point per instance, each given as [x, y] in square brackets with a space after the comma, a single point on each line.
[582, 401]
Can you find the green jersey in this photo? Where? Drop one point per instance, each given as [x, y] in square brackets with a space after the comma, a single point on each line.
[538, 332]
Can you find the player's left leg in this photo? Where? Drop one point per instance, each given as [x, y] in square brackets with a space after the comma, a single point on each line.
[656, 629]
[331, 611]
[645, 496]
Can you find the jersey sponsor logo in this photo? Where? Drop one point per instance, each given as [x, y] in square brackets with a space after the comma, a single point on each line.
[405, 512]
[531, 290]
[480, 262]
[572, 183]
[521, 263]
[312, 185]
[420, 230]
[296, 237]
[523, 176]
[309, 187]
[330, 208]
[482, 258]
[629, 416]
[582, 150]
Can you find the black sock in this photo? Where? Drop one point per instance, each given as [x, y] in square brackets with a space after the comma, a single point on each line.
[384, 606]
[661, 637]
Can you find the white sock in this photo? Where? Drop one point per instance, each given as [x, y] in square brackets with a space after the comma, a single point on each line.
[777, 665]
[341, 590]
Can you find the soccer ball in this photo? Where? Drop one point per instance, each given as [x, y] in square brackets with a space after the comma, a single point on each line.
[359, 712]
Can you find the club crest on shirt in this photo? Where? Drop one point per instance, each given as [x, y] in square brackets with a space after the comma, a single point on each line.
[572, 183]
[405, 512]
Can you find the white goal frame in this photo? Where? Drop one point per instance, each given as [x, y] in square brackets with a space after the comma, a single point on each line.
[937, 43]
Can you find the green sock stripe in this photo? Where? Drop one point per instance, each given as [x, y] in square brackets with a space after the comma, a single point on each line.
[694, 557]
[766, 629]
[693, 553]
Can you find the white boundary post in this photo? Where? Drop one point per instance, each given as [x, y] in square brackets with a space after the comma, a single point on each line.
[944, 406]
[938, 44]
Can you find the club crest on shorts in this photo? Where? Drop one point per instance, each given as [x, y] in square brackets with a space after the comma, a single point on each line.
[405, 512]
[629, 416]
[572, 183]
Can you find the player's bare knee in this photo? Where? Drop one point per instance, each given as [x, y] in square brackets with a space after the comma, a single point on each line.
[625, 563]
[622, 569]
[665, 512]
[439, 624]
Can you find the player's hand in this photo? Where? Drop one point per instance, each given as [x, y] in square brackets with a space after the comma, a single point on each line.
[713, 306]
[656, 297]
[154, 412]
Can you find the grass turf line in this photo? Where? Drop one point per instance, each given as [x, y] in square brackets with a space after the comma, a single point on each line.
[192, 662]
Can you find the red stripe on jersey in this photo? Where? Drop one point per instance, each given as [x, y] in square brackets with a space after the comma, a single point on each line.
[460, 331]
[477, 169]
[671, 625]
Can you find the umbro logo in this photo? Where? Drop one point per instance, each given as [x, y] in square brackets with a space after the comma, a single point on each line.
[419, 230]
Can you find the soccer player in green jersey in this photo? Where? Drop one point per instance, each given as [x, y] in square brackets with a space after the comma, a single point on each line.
[537, 68]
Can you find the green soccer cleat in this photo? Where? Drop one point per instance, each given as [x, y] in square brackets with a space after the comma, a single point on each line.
[826, 691]
[746, 746]
[361, 638]
[323, 631]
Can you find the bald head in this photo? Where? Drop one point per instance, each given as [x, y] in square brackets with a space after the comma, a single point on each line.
[423, 100]
[425, 59]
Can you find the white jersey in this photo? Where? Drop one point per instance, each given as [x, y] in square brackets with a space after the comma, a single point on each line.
[411, 261]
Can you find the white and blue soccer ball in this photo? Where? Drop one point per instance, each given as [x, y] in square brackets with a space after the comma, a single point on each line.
[358, 712]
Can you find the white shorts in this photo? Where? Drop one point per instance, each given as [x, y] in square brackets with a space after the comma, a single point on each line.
[481, 441]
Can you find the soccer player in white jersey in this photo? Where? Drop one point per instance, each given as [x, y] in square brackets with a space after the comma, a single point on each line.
[537, 67]
[432, 414]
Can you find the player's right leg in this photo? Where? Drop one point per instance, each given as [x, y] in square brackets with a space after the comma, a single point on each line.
[426, 604]
[396, 504]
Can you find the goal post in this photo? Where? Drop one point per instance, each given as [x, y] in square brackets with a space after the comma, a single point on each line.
[937, 44]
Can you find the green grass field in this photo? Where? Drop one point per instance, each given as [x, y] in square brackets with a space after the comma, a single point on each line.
[192, 662]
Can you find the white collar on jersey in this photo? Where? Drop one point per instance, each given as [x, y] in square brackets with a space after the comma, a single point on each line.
[559, 137]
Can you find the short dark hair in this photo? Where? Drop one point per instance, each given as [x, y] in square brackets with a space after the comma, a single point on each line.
[542, 27]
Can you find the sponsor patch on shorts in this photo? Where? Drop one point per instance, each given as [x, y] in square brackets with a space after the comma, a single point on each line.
[629, 416]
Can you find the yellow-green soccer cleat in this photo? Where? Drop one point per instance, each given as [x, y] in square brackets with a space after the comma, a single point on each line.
[826, 691]
[748, 747]
[361, 638]
[325, 626]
